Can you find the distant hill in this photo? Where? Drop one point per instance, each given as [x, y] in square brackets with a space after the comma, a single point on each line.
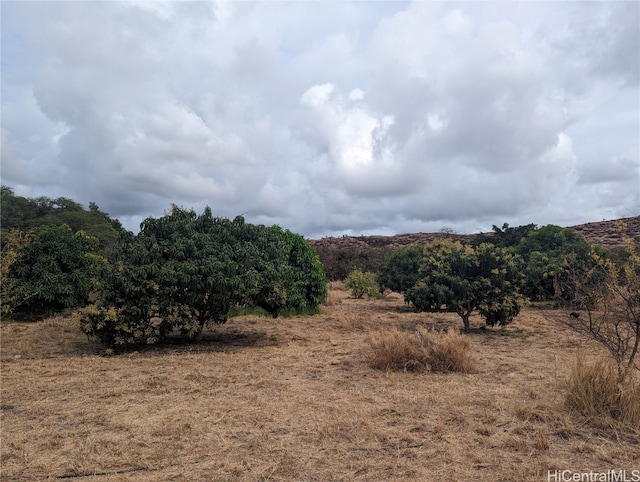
[340, 255]
[607, 233]
[604, 233]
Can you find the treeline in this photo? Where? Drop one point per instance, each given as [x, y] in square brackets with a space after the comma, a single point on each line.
[23, 214]
[544, 253]
[56, 255]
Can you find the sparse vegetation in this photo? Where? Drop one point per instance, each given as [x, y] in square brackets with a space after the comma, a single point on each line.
[609, 291]
[297, 400]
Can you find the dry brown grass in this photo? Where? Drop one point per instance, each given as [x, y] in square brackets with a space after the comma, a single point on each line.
[334, 297]
[449, 351]
[398, 350]
[294, 399]
[420, 351]
[593, 390]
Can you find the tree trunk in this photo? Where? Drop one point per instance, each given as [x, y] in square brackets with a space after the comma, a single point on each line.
[465, 320]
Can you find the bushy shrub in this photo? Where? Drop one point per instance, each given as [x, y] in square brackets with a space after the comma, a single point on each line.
[360, 284]
[185, 271]
[545, 252]
[401, 270]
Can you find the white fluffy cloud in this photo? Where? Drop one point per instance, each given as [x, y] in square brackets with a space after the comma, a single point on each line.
[327, 118]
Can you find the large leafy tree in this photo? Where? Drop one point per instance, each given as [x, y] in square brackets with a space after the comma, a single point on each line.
[184, 271]
[461, 278]
[400, 271]
[547, 252]
[47, 269]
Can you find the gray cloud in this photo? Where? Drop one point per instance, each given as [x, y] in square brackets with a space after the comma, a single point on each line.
[327, 118]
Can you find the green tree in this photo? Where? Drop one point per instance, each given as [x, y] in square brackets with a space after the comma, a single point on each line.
[360, 284]
[185, 271]
[547, 252]
[47, 269]
[506, 236]
[461, 278]
[400, 271]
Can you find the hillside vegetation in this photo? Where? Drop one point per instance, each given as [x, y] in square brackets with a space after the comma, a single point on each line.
[341, 255]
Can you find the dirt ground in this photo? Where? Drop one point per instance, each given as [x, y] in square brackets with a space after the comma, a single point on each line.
[294, 399]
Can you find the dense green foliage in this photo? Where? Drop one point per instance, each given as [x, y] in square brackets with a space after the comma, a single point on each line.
[547, 252]
[47, 269]
[400, 271]
[361, 283]
[24, 213]
[461, 278]
[184, 271]
[506, 236]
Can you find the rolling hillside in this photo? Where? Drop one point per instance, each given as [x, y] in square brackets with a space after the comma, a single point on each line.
[604, 233]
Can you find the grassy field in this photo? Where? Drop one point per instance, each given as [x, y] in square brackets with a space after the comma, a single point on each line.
[294, 399]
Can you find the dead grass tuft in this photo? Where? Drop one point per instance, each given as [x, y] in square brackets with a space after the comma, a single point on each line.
[334, 297]
[541, 441]
[593, 391]
[335, 286]
[449, 351]
[420, 351]
[398, 351]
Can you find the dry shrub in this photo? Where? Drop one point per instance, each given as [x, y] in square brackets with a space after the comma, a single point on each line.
[398, 350]
[595, 392]
[421, 351]
[335, 286]
[448, 351]
[334, 298]
[335, 293]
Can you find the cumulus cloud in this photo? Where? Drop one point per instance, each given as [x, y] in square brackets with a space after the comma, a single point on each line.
[340, 117]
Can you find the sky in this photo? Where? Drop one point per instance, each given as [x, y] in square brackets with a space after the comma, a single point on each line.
[327, 118]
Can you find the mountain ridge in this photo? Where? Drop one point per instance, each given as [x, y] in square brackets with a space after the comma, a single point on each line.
[609, 234]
